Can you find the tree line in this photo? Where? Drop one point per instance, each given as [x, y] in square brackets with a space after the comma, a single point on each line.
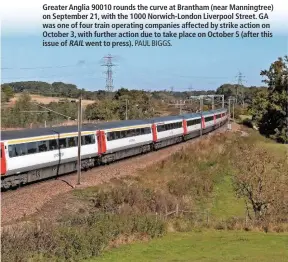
[267, 104]
[26, 112]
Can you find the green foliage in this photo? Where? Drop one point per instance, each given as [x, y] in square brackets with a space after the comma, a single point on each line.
[19, 115]
[104, 110]
[6, 93]
[259, 105]
[248, 93]
[58, 89]
[269, 108]
[196, 180]
[138, 103]
[78, 238]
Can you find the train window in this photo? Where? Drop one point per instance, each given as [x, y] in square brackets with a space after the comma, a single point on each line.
[117, 134]
[110, 136]
[17, 150]
[210, 118]
[42, 146]
[122, 134]
[31, 148]
[71, 141]
[62, 143]
[53, 144]
[11, 151]
[147, 130]
[128, 133]
[76, 140]
[193, 122]
[90, 139]
[160, 128]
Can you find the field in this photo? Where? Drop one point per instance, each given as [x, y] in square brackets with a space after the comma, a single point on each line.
[205, 246]
[46, 99]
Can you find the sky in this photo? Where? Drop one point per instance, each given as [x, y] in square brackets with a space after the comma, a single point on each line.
[190, 63]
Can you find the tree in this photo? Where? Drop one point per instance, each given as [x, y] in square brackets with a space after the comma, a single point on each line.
[6, 93]
[275, 119]
[259, 105]
[104, 110]
[262, 181]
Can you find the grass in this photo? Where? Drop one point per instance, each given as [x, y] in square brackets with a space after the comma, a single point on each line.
[205, 246]
[126, 210]
[277, 149]
[225, 202]
[243, 117]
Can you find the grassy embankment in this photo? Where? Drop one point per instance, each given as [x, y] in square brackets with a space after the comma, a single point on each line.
[191, 192]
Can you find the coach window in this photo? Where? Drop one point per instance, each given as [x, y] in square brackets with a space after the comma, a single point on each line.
[110, 136]
[87, 140]
[147, 130]
[12, 151]
[127, 133]
[42, 146]
[31, 148]
[17, 150]
[71, 141]
[122, 134]
[160, 128]
[62, 143]
[53, 145]
[116, 134]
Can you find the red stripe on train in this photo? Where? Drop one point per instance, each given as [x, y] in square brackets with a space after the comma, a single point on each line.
[154, 133]
[185, 126]
[3, 159]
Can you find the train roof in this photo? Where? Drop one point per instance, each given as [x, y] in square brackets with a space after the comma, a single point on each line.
[35, 132]
[25, 133]
[124, 123]
[192, 115]
[165, 118]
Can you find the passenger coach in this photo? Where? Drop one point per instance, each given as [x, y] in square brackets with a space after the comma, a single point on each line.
[34, 154]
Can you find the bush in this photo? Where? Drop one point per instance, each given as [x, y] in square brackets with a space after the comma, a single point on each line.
[77, 239]
[248, 123]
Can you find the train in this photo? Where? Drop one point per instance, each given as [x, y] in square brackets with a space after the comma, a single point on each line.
[31, 155]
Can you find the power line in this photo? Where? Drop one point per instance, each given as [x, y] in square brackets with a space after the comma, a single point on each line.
[79, 63]
[109, 73]
[50, 76]
[240, 78]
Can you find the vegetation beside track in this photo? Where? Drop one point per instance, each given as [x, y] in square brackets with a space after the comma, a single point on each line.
[200, 189]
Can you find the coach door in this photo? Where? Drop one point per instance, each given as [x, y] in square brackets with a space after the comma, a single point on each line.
[3, 159]
[101, 142]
